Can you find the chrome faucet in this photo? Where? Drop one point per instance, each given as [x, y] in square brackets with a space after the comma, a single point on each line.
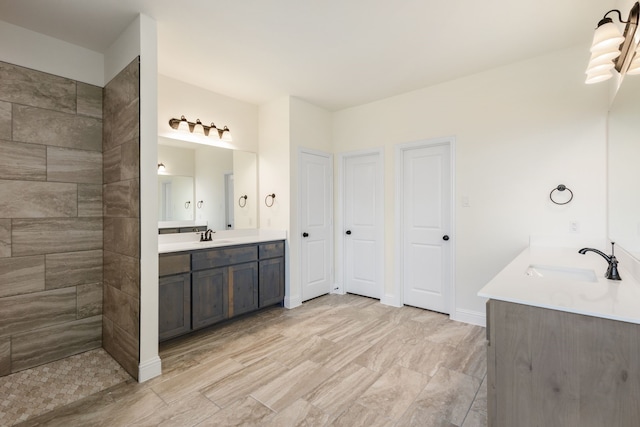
[612, 271]
[207, 235]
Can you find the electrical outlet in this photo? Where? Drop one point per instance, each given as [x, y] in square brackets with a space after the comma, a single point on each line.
[574, 227]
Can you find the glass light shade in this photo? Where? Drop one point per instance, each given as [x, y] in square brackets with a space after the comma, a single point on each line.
[161, 168]
[184, 125]
[598, 76]
[634, 67]
[198, 128]
[606, 36]
[604, 55]
[213, 133]
[599, 65]
[226, 135]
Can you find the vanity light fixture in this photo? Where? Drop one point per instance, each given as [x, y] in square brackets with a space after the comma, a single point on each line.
[182, 124]
[161, 168]
[612, 50]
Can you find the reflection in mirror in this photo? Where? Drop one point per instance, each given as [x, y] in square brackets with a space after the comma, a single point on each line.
[220, 176]
[175, 198]
[624, 172]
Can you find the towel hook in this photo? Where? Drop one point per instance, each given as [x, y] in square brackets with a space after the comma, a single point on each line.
[561, 188]
[271, 196]
[242, 205]
[200, 203]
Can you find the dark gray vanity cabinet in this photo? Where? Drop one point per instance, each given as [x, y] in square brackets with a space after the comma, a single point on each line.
[174, 296]
[212, 285]
[271, 271]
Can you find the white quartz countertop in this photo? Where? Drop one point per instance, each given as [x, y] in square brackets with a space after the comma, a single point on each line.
[611, 299]
[181, 242]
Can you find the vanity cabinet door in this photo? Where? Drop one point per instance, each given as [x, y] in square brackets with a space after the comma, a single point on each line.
[174, 306]
[271, 281]
[243, 288]
[209, 303]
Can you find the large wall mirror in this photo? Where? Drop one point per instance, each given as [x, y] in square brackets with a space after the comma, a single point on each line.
[623, 166]
[208, 185]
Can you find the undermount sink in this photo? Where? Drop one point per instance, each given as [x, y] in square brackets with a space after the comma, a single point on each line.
[566, 273]
[215, 241]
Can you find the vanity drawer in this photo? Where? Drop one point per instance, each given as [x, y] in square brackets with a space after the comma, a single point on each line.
[271, 250]
[174, 264]
[222, 257]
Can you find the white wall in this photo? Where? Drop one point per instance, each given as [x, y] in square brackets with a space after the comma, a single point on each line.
[520, 131]
[33, 50]
[176, 98]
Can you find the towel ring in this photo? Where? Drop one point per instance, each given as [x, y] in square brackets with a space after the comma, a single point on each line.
[187, 204]
[242, 205]
[200, 203]
[271, 196]
[561, 188]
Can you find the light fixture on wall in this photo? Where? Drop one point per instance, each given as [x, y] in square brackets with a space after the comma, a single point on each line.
[161, 168]
[212, 131]
[612, 50]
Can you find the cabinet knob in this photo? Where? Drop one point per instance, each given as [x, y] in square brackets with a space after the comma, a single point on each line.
[305, 234]
[348, 232]
[445, 237]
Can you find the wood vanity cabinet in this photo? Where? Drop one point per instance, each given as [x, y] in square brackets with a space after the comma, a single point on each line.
[220, 283]
[174, 296]
[554, 368]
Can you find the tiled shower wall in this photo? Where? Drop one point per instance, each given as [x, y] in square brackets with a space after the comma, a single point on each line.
[51, 225]
[121, 190]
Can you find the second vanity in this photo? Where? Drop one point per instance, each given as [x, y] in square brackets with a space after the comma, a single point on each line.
[563, 342]
[203, 283]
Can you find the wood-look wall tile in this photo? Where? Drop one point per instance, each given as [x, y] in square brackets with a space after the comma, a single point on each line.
[45, 236]
[89, 200]
[34, 199]
[5, 120]
[5, 238]
[122, 199]
[121, 346]
[21, 275]
[73, 269]
[52, 343]
[121, 235]
[49, 127]
[122, 272]
[122, 310]
[5, 356]
[89, 300]
[111, 165]
[29, 87]
[23, 161]
[68, 165]
[89, 100]
[121, 107]
[130, 166]
[38, 310]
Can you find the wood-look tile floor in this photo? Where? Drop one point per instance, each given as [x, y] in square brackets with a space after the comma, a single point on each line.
[338, 360]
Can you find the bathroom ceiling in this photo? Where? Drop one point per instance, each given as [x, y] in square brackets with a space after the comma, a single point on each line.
[332, 53]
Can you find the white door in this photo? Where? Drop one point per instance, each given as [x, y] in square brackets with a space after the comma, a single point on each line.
[363, 225]
[315, 195]
[426, 224]
[229, 213]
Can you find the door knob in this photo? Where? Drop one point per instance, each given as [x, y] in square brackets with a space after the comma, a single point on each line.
[348, 232]
[445, 237]
[305, 234]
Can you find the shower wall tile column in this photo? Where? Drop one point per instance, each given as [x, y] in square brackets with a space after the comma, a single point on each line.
[51, 226]
[121, 210]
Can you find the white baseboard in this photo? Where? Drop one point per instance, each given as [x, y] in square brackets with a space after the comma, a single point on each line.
[149, 369]
[391, 300]
[292, 302]
[469, 316]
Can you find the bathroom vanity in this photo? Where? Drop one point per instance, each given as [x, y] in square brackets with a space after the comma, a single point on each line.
[203, 283]
[563, 342]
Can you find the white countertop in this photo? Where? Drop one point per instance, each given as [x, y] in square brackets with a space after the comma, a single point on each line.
[611, 299]
[180, 242]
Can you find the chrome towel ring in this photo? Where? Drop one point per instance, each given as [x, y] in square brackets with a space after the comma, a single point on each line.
[240, 201]
[561, 188]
